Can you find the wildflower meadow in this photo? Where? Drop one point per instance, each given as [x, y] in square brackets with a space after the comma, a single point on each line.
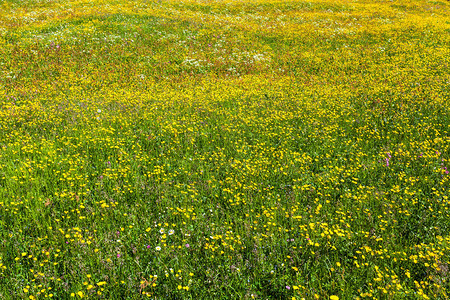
[224, 149]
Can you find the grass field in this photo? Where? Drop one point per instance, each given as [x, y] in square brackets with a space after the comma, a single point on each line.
[199, 149]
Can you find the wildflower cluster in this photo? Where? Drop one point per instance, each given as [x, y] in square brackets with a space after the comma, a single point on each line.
[224, 149]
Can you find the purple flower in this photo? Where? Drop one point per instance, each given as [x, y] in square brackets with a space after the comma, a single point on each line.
[187, 245]
[288, 287]
[148, 246]
[118, 254]
[387, 159]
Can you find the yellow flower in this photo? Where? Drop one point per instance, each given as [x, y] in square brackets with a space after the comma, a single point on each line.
[333, 297]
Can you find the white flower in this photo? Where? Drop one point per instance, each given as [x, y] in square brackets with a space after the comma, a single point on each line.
[171, 231]
[158, 248]
[162, 231]
[99, 110]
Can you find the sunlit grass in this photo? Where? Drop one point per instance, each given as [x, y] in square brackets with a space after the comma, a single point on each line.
[224, 149]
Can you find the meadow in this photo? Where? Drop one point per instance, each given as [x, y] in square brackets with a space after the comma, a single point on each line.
[227, 149]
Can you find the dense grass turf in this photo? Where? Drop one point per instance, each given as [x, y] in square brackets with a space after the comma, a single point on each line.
[224, 149]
